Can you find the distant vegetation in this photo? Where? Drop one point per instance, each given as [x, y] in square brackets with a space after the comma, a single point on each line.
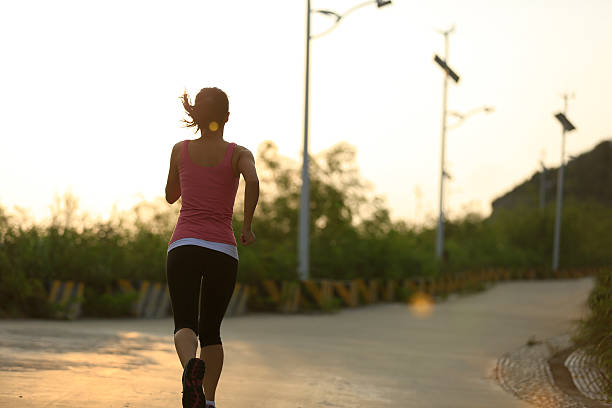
[588, 177]
[352, 236]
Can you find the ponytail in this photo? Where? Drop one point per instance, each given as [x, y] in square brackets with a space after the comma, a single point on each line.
[191, 112]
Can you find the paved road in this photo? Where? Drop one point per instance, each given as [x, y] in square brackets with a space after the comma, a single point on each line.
[378, 356]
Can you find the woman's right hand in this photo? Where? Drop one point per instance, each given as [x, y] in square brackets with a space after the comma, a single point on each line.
[247, 237]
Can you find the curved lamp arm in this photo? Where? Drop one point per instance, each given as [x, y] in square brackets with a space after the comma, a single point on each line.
[339, 17]
[461, 117]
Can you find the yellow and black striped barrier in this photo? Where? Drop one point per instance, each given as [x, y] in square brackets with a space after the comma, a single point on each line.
[282, 296]
[412, 285]
[238, 303]
[374, 287]
[389, 291]
[364, 292]
[428, 286]
[68, 295]
[346, 291]
[316, 293]
[442, 286]
[153, 298]
[292, 296]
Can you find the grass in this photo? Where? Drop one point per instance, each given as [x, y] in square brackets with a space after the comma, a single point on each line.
[594, 333]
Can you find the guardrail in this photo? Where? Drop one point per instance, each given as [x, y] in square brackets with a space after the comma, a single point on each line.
[323, 294]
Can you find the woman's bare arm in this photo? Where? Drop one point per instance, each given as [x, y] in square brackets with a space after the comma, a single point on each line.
[246, 167]
[173, 185]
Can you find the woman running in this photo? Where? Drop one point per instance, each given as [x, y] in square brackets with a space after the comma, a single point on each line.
[202, 257]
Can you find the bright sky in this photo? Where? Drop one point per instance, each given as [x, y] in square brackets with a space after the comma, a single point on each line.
[90, 91]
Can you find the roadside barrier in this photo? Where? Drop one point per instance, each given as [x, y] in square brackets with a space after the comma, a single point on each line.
[366, 291]
[316, 293]
[153, 298]
[281, 296]
[346, 291]
[374, 287]
[419, 284]
[68, 295]
[531, 274]
[389, 291]
[428, 286]
[442, 286]
[363, 293]
[290, 297]
[238, 303]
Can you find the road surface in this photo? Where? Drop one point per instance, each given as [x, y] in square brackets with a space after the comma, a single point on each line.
[378, 356]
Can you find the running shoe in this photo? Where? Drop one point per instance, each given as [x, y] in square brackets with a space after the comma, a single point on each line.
[193, 395]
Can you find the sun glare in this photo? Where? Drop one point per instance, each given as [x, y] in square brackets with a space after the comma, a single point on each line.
[421, 305]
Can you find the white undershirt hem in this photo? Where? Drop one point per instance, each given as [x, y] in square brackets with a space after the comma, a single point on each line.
[229, 249]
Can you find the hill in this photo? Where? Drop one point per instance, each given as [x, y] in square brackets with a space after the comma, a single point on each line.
[588, 177]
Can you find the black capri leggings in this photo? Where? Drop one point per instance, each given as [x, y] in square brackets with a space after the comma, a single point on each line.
[186, 265]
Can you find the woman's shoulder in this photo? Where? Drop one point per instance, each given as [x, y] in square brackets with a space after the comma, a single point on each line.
[239, 149]
[176, 149]
[177, 146]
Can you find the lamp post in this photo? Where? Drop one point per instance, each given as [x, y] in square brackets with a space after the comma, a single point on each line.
[304, 214]
[448, 72]
[461, 117]
[443, 63]
[567, 127]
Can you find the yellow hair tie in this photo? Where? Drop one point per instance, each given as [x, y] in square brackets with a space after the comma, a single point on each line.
[213, 126]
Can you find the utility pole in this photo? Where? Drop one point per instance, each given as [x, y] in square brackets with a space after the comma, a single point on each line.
[304, 211]
[567, 126]
[304, 214]
[440, 235]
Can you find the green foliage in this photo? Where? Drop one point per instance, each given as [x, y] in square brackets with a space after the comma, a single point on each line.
[404, 294]
[332, 305]
[352, 236]
[108, 304]
[129, 246]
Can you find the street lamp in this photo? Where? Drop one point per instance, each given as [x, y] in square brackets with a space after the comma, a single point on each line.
[567, 127]
[448, 72]
[304, 215]
[461, 117]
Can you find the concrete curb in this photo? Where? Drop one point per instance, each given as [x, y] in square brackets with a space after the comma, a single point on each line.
[526, 374]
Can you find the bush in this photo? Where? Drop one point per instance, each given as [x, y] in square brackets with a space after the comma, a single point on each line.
[109, 304]
[23, 297]
[352, 236]
[594, 333]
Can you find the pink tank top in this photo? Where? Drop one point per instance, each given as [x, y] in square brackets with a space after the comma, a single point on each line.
[208, 199]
